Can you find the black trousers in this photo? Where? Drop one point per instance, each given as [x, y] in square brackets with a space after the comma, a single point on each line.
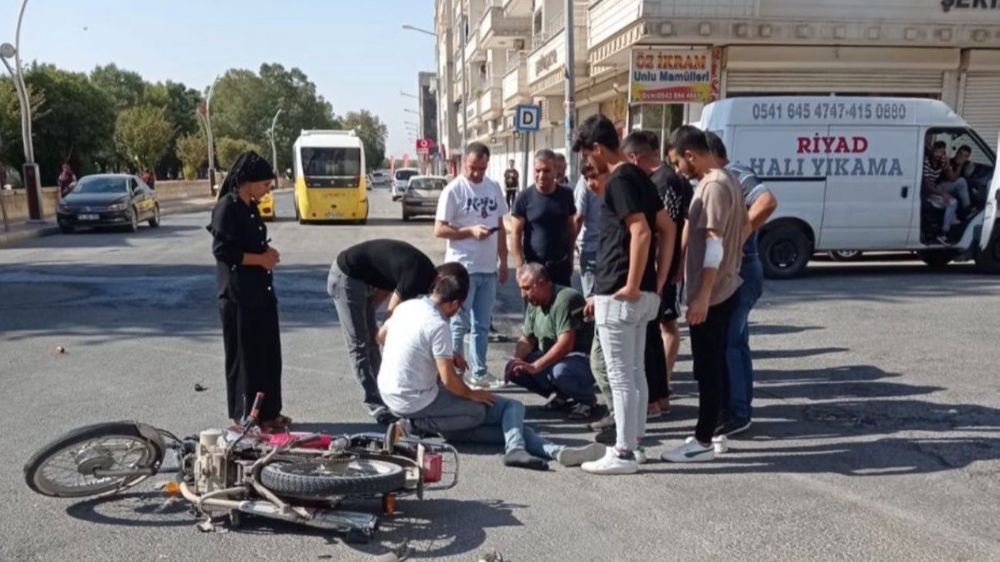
[511, 196]
[656, 363]
[253, 357]
[708, 349]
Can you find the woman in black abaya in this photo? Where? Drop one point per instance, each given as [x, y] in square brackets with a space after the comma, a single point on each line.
[247, 304]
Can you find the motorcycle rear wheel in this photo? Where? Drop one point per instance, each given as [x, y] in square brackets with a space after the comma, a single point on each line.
[64, 468]
[337, 477]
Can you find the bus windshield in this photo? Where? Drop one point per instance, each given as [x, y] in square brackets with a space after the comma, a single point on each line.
[331, 162]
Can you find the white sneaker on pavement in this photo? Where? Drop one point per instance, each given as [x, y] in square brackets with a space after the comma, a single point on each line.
[640, 455]
[611, 463]
[575, 456]
[690, 451]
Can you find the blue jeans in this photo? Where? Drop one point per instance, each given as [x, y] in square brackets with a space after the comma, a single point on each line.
[503, 424]
[482, 297]
[569, 379]
[588, 272]
[738, 361]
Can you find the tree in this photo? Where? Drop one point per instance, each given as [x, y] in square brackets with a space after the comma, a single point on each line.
[244, 104]
[125, 87]
[192, 150]
[229, 148]
[142, 134]
[373, 134]
[75, 123]
[12, 149]
[181, 104]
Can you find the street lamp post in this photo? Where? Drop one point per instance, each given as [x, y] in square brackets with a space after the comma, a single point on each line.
[274, 148]
[30, 175]
[570, 92]
[210, 138]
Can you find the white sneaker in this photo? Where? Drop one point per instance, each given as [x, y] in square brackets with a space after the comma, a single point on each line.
[611, 463]
[575, 456]
[690, 451]
[721, 444]
[485, 382]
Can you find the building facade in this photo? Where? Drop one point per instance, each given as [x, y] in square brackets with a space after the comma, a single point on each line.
[514, 52]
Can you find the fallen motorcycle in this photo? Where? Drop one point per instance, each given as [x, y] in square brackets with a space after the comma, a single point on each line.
[297, 477]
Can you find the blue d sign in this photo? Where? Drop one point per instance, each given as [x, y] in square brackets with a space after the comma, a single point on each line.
[528, 118]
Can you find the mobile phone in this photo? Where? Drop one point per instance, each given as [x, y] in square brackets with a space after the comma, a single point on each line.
[494, 229]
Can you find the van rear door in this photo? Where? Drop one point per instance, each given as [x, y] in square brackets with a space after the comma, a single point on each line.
[872, 188]
[990, 210]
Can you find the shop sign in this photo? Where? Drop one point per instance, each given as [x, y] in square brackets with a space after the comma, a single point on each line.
[661, 76]
[949, 5]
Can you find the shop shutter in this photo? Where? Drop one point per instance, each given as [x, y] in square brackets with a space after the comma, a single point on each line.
[924, 83]
[981, 104]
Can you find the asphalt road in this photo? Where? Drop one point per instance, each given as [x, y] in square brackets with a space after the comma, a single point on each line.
[876, 436]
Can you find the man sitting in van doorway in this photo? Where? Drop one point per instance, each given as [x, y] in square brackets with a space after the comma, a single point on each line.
[936, 189]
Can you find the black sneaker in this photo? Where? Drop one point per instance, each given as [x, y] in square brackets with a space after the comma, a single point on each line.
[582, 412]
[607, 436]
[556, 403]
[733, 428]
[384, 417]
[603, 423]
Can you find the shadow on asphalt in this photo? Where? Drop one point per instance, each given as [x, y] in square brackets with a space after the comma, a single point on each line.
[432, 528]
[860, 412]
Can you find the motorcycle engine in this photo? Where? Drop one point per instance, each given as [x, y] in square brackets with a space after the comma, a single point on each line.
[214, 468]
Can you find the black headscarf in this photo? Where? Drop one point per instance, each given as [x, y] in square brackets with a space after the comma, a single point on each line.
[248, 167]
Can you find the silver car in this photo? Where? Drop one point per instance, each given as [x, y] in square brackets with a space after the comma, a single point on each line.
[400, 179]
[421, 196]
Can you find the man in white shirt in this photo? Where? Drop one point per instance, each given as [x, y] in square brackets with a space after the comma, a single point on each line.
[470, 218]
[419, 382]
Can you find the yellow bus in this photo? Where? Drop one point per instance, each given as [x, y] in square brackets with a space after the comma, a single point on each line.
[330, 177]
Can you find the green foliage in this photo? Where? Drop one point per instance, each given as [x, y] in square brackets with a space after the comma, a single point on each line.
[192, 150]
[228, 149]
[142, 134]
[125, 87]
[244, 104]
[373, 134]
[75, 123]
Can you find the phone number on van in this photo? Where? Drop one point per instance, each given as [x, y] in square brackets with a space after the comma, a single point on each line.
[834, 111]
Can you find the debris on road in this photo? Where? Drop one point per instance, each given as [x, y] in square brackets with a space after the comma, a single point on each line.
[199, 388]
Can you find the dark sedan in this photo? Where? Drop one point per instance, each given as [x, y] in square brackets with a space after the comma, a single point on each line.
[108, 200]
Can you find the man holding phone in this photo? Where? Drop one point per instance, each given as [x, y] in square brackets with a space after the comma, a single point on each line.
[470, 219]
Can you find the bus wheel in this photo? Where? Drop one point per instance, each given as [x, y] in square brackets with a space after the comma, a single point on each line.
[784, 251]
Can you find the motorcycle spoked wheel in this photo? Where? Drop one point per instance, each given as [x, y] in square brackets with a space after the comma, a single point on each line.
[355, 476]
[64, 468]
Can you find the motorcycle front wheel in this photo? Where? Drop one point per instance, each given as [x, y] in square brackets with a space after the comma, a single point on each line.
[65, 468]
[333, 477]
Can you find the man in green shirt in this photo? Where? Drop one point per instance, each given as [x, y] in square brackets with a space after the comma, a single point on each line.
[553, 354]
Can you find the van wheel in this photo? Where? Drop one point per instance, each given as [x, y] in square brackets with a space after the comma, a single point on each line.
[784, 252]
[846, 255]
[988, 260]
[936, 259]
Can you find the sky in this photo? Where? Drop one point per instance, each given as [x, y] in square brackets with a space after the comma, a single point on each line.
[355, 51]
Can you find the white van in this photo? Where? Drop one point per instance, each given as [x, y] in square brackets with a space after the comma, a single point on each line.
[847, 172]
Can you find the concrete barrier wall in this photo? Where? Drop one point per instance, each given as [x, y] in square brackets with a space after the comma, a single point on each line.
[16, 201]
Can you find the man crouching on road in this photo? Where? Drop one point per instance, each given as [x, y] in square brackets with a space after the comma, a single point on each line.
[552, 356]
[419, 382]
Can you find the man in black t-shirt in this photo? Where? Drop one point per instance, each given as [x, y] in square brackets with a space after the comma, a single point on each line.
[542, 229]
[360, 280]
[511, 181]
[642, 148]
[633, 261]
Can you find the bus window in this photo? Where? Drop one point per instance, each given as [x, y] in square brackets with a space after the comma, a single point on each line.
[341, 164]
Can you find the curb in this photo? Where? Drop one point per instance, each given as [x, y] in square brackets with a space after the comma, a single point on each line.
[9, 238]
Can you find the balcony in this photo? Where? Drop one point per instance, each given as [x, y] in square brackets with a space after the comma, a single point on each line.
[515, 83]
[491, 103]
[497, 31]
[472, 113]
[473, 49]
[546, 61]
[517, 8]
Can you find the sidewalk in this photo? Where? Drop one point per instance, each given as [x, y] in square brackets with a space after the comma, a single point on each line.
[21, 231]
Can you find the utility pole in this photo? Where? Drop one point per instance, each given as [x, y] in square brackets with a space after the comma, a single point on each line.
[465, 77]
[571, 160]
[274, 148]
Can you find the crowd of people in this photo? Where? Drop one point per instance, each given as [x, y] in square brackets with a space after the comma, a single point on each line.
[654, 241]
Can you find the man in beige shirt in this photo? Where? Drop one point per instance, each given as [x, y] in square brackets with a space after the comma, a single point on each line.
[717, 226]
